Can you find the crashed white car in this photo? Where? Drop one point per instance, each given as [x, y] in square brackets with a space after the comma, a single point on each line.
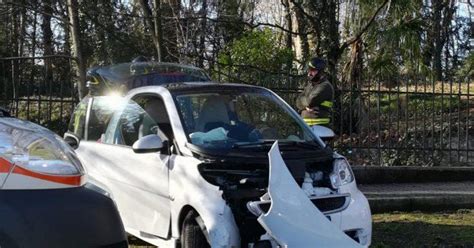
[192, 165]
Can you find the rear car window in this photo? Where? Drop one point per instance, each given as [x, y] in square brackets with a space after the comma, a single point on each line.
[91, 125]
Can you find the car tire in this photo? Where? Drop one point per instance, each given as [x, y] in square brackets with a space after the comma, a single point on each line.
[191, 235]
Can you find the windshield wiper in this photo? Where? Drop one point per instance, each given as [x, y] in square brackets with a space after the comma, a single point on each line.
[304, 144]
[253, 144]
[271, 142]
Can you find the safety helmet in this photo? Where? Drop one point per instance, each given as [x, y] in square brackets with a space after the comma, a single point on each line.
[317, 63]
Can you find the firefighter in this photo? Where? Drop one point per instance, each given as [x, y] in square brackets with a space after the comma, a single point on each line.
[316, 101]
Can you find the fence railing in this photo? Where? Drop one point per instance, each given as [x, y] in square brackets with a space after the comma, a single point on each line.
[406, 122]
[39, 89]
[411, 123]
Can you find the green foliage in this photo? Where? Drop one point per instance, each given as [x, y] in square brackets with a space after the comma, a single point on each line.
[394, 42]
[467, 70]
[255, 58]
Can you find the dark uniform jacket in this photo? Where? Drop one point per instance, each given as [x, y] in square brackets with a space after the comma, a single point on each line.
[318, 96]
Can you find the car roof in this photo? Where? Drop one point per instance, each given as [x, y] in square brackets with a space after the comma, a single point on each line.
[123, 70]
[124, 77]
[191, 86]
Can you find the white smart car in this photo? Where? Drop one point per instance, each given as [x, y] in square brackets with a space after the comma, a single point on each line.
[220, 165]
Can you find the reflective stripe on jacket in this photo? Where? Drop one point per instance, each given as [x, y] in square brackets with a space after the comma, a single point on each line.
[317, 121]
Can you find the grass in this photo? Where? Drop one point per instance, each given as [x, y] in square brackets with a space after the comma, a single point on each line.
[449, 229]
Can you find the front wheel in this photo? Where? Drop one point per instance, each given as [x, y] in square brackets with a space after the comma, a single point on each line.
[191, 235]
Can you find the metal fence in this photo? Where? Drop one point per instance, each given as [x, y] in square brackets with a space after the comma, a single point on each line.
[390, 123]
[409, 123]
[39, 89]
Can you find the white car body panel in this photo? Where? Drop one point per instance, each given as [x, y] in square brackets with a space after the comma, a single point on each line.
[292, 220]
[154, 240]
[188, 188]
[3, 176]
[139, 183]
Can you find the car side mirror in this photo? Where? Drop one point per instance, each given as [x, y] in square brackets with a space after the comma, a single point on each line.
[72, 140]
[149, 143]
[326, 134]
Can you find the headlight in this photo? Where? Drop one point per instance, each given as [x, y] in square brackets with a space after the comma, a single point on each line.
[44, 155]
[341, 174]
[37, 152]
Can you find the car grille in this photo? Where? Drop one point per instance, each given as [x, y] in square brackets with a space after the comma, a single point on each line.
[330, 204]
[353, 235]
[325, 205]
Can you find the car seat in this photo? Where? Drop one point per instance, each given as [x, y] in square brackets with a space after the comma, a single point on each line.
[213, 114]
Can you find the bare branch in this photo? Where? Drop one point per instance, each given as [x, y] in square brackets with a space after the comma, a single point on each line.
[364, 29]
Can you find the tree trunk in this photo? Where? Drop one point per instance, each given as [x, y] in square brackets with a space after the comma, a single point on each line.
[202, 41]
[48, 48]
[171, 30]
[437, 39]
[289, 23]
[158, 28]
[154, 25]
[303, 37]
[333, 39]
[442, 16]
[76, 49]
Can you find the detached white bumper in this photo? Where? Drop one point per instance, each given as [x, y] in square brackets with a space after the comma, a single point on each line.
[292, 220]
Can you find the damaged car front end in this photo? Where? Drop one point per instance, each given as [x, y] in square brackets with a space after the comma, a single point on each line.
[233, 156]
[246, 183]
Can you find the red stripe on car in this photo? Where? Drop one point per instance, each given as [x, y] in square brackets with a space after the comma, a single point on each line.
[5, 165]
[69, 180]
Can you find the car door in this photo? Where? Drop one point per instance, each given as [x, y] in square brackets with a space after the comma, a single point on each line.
[138, 182]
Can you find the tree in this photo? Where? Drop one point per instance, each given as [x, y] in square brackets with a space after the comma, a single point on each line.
[73, 12]
[153, 20]
[48, 47]
[255, 58]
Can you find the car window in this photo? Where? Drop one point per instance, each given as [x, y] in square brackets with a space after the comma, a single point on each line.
[128, 124]
[78, 119]
[100, 115]
[156, 109]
